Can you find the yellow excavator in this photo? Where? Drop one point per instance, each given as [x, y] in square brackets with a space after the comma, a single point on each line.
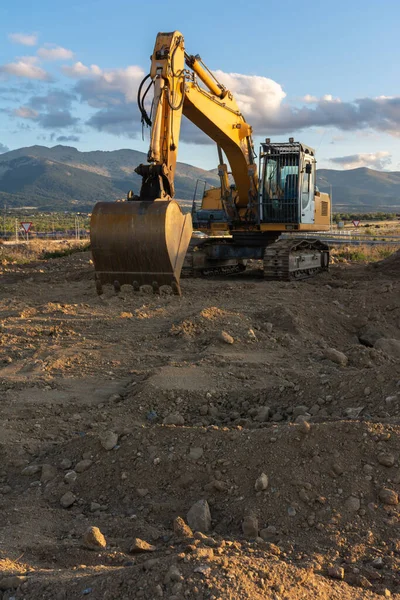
[147, 240]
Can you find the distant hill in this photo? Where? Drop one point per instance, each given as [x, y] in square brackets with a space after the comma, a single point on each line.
[62, 178]
[362, 190]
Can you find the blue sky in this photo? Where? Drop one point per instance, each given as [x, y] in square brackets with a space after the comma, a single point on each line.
[326, 73]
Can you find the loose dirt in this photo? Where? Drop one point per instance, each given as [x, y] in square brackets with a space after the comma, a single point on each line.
[121, 412]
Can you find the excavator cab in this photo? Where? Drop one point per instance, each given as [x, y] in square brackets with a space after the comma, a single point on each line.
[287, 183]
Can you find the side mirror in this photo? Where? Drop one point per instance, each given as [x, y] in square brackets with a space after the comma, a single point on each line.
[308, 168]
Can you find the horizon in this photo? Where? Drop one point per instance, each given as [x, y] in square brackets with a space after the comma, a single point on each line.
[180, 161]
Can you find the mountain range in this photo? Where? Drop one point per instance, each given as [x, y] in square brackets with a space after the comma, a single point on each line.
[63, 178]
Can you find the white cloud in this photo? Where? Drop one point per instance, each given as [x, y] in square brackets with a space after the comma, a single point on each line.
[253, 94]
[376, 160]
[26, 67]
[24, 112]
[106, 87]
[53, 52]
[26, 39]
[79, 70]
[309, 99]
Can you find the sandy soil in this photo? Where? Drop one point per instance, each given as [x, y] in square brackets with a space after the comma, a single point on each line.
[121, 412]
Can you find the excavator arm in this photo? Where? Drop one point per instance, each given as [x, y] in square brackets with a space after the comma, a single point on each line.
[212, 109]
[144, 241]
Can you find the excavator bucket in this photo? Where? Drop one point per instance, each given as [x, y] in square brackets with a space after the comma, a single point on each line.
[139, 243]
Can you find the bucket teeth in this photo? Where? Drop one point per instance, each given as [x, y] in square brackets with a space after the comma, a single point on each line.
[117, 286]
[136, 286]
[156, 287]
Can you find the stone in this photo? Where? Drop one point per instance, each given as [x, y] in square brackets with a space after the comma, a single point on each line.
[48, 473]
[108, 440]
[94, 506]
[369, 335]
[300, 410]
[336, 572]
[142, 492]
[276, 417]
[83, 465]
[225, 337]
[268, 327]
[263, 414]
[336, 356]
[67, 499]
[139, 545]
[195, 453]
[173, 574]
[391, 347]
[174, 419]
[388, 496]
[70, 477]
[386, 459]
[93, 539]
[353, 504]
[182, 529]
[31, 470]
[269, 534]
[199, 516]
[250, 526]
[261, 483]
[13, 582]
[66, 463]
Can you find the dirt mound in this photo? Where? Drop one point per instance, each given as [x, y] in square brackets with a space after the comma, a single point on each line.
[276, 403]
[389, 266]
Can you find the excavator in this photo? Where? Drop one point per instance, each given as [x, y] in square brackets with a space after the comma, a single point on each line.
[147, 239]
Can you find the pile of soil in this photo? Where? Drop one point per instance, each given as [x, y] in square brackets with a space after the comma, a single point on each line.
[274, 406]
[390, 266]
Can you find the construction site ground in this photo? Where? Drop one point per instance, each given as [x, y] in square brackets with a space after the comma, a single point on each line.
[123, 411]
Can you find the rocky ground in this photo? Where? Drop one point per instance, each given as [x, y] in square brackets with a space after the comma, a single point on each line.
[265, 415]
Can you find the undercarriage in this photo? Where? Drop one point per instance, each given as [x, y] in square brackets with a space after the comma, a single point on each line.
[283, 260]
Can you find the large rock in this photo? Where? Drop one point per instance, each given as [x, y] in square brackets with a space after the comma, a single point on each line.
[31, 470]
[336, 356]
[139, 545]
[108, 439]
[369, 335]
[182, 529]
[67, 499]
[389, 346]
[388, 496]
[93, 539]
[226, 337]
[199, 516]
[83, 465]
[174, 419]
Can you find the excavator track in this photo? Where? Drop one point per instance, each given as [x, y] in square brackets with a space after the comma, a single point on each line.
[197, 265]
[293, 259]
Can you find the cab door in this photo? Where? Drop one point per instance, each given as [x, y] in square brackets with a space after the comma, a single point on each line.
[307, 191]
